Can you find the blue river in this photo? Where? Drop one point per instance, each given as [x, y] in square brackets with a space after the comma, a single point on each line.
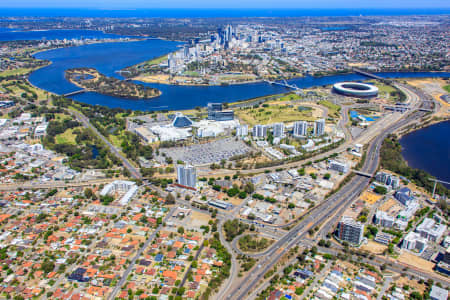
[8, 34]
[428, 149]
[108, 58]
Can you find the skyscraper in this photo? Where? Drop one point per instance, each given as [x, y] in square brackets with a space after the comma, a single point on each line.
[300, 128]
[259, 131]
[319, 127]
[242, 130]
[350, 231]
[278, 129]
[186, 52]
[187, 175]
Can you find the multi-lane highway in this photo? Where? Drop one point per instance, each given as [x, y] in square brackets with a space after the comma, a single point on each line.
[53, 184]
[330, 210]
[126, 163]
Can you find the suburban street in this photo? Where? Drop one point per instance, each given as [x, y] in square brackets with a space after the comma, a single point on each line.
[125, 274]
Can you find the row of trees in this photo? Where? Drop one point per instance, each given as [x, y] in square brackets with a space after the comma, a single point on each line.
[392, 159]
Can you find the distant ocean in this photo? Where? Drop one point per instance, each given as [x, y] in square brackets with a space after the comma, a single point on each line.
[214, 13]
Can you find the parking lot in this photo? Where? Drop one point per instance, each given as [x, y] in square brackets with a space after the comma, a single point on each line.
[212, 152]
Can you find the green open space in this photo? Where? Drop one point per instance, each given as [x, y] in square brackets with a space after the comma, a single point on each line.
[388, 92]
[21, 87]
[157, 60]
[191, 74]
[15, 72]
[290, 97]
[237, 77]
[333, 109]
[67, 137]
[447, 88]
[252, 243]
[273, 114]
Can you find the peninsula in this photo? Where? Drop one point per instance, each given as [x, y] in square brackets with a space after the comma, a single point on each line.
[92, 80]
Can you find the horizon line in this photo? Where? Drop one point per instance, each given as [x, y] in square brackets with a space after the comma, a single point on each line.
[233, 8]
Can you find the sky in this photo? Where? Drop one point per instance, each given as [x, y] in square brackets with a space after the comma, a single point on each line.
[307, 4]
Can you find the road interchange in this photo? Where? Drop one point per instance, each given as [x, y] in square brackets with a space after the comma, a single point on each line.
[338, 202]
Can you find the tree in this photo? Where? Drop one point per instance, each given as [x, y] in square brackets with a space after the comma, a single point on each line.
[291, 205]
[88, 193]
[381, 190]
[180, 230]
[47, 266]
[170, 199]
[249, 187]
[107, 199]
[232, 192]
[372, 230]
[415, 295]
[242, 195]
[327, 176]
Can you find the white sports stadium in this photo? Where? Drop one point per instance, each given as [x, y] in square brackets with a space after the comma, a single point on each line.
[356, 89]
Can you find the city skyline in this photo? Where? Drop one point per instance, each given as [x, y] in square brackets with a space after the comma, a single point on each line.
[239, 154]
[232, 4]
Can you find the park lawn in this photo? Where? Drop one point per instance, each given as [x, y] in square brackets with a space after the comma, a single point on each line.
[191, 74]
[62, 117]
[237, 77]
[333, 109]
[67, 137]
[273, 114]
[20, 71]
[17, 90]
[157, 60]
[290, 97]
[116, 140]
[447, 88]
[385, 90]
[42, 95]
[267, 98]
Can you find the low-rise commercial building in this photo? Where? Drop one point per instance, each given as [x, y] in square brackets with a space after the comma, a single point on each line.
[414, 241]
[438, 293]
[404, 196]
[387, 179]
[338, 166]
[430, 230]
[129, 188]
